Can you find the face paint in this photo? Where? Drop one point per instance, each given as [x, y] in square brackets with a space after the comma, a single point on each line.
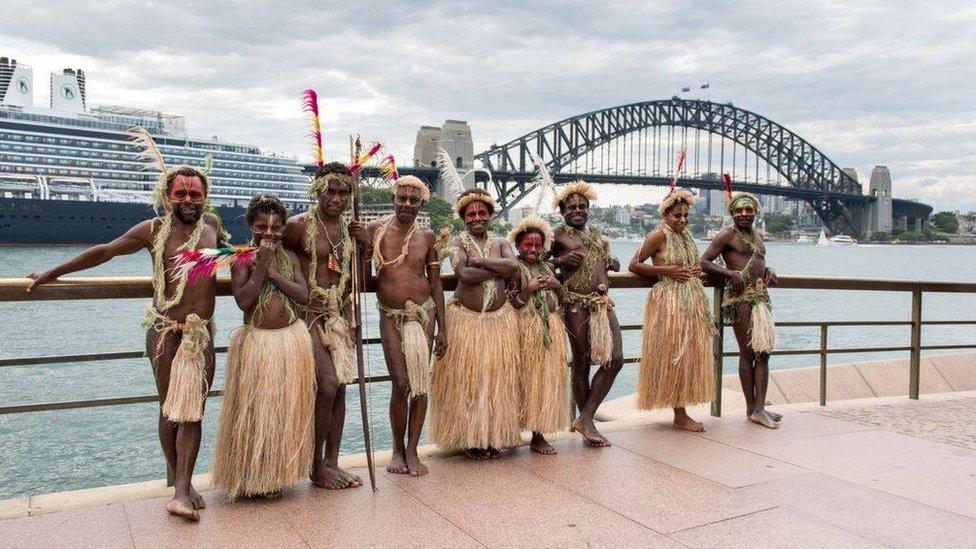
[187, 189]
[530, 246]
[267, 227]
[476, 216]
[744, 216]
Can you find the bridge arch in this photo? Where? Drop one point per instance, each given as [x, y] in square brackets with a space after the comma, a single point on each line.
[802, 164]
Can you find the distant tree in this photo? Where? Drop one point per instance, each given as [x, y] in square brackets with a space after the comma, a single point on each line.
[946, 222]
[778, 224]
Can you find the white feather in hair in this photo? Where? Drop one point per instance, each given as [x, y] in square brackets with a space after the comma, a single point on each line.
[449, 175]
[543, 181]
[149, 153]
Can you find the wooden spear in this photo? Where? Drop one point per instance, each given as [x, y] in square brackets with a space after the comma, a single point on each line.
[358, 283]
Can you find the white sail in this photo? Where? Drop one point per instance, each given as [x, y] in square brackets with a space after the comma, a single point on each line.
[822, 240]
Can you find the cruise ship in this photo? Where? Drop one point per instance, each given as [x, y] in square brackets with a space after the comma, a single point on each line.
[69, 175]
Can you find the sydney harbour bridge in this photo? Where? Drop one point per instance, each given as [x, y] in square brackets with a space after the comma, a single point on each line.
[635, 144]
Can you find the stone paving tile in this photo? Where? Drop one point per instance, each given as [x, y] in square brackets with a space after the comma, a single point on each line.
[742, 433]
[959, 371]
[104, 526]
[244, 523]
[938, 474]
[502, 504]
[360, 518]
[772, 528]
[654, 494]
[950, 421]
[720, 462]
[881, 517]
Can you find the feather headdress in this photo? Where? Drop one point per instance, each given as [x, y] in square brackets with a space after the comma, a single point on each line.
[475, 196]
[449, 175]
[310, 104]
[533, 222]
[205, 262]
[364, 158]
[416, 183]
[735, 200]
[543, 181]
[579, 187]
[676, 196]
[679, 162]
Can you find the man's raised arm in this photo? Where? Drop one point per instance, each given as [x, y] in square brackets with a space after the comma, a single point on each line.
[135, 239]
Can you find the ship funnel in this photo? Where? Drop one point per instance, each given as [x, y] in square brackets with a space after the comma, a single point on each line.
[67, 92]
[16, 84]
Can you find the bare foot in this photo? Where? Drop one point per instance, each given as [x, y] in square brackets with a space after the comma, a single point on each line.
[476, 453]
[354, 480]
[540, 445]
[414, 466]
[197, 499]
[493, 453]
[776, 417]
[398, 464]
[589, 432]
[763, 418]
[688, 424]
[330, 479]
[182, 507]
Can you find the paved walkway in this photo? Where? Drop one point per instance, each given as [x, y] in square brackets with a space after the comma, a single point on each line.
[853, 479]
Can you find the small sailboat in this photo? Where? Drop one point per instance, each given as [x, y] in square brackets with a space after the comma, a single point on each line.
[822, 239]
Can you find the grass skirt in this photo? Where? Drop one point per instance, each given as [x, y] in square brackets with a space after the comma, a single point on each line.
[543, 377]
[474, 392]
[264, 441]
[676, 354]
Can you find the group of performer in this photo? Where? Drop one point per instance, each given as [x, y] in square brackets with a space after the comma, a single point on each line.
[492, 361]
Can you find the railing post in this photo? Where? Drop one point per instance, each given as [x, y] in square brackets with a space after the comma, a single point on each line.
[915, 368]
[718, 345]
[823, 364]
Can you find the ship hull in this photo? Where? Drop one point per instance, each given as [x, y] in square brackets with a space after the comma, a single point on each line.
[33, 221]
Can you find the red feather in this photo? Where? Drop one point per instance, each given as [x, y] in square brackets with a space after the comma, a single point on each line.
[364, 158]
[310, 103]
[728, 184]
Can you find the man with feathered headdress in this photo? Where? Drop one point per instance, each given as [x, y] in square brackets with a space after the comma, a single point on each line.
[323, 243]
[179, 332]
[410, 297]
[746, 305]
[534, 292]
[474, 391]
[583, 258]
[676, 354]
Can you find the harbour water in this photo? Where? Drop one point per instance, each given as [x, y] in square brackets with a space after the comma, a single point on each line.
[72, 449]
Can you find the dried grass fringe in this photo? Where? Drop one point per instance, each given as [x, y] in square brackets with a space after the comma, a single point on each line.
[762, 330]
[264, 441]
[676, 352]
[333, 330]
[416, 353]
[601, 336]
[188, 385]
[474, 391]
[544, 376]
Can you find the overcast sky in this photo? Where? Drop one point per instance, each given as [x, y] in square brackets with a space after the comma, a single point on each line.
[867, 82]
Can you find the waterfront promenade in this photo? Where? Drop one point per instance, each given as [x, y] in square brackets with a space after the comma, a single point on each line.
[850, 475]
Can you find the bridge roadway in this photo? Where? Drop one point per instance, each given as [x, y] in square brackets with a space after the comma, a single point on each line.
[907, 214]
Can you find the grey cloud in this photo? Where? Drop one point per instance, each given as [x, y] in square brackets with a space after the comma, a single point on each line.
[868, 82]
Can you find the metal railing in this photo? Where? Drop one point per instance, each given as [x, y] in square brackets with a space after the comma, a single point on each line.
[12, 290]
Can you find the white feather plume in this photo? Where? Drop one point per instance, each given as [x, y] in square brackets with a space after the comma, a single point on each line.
[542, 180]
[149, 153]
[449, 175]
